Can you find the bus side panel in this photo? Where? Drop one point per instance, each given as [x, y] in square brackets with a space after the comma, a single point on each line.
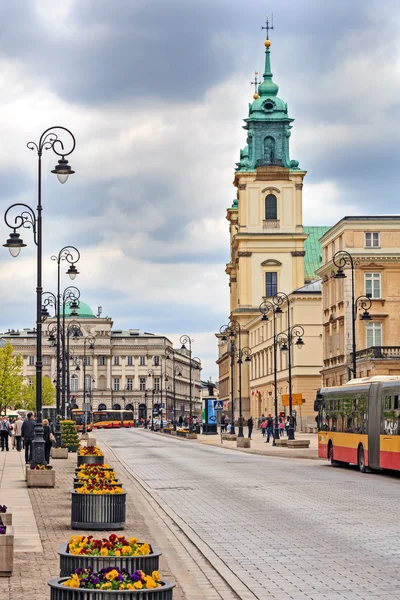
[390, 452]
[323, 440]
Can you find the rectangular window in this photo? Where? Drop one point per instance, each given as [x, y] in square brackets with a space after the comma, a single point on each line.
[156, 383]
[88, 383]
[102, 361]
[130, 361]
[156, 361]
[86, 360]
[142, 361]
[373, 285]
[74, 383]
[271, 284]
[142, 384]
[116, 384]
[372, 239]
[374, 334]
[31, 360]
[129, 384]
[46, 360]
[116, 361]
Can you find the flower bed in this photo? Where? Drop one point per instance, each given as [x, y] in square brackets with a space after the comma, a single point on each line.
[86, 584]
[90, 451]
[69, 436]
[81, 482]
[98, 511]
[82, 551]
[41, 468]
[99, 487]
[94, 472]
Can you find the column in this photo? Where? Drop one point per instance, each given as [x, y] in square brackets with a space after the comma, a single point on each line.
[108, 372]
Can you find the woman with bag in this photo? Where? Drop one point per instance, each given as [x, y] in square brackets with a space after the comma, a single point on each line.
[47, 435]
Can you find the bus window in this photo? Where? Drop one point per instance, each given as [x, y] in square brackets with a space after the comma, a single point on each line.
[390, 416]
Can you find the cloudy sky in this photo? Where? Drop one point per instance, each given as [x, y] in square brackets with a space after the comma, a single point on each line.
[155, 92]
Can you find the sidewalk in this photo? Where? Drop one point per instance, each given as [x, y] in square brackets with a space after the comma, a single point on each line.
[258, 445]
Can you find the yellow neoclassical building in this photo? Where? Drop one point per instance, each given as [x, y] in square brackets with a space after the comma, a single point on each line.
[373, 242]
[271, 252]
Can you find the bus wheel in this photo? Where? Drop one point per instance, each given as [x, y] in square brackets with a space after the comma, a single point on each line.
[334, 463]
[361, 460]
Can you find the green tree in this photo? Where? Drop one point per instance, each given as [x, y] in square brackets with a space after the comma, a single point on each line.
[28, 394]
[10, 378]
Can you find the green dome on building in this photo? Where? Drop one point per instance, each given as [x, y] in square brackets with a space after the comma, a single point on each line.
[84, 311]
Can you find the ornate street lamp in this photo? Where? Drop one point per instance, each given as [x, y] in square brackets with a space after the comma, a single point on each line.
[28, 218]
[176, 372]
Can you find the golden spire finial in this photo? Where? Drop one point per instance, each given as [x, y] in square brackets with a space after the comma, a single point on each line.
[255, 83]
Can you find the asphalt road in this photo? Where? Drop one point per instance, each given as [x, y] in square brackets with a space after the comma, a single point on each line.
[288, 529]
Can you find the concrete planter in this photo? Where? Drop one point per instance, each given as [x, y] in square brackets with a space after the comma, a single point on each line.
[59, 453]
[298, 443]
[98, 511]
[229, 437]
[281, 442]
[243, 442]
[38, 478]
[7, 552]
[70, 562]
[174, 432]
[6, 518]
[59, 592]
[90, 460]
[187, 435]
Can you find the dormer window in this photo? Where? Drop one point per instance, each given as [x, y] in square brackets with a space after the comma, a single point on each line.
[268, 105]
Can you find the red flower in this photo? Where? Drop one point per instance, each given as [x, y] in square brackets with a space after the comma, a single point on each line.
[112, 537]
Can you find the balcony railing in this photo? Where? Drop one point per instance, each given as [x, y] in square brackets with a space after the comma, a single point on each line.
[380, 352]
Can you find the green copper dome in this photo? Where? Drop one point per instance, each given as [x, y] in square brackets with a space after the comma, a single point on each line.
[84, 311]
[268, 126]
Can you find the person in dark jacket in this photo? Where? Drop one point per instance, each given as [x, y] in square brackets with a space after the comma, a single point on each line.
[28, 433]
[250, 425]
[47, 440]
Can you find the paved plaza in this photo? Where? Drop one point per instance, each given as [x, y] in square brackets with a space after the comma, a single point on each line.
[273, 527]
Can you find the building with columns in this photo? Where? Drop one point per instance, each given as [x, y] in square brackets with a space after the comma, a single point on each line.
[271, 251]
[124, 369]
[373, 242]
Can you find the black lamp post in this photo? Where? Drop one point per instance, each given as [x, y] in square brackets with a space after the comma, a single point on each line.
[186, 339]
[176, 372]
[286, 340]
[28, 218]
[234, 330]
[265, 308]
[240, 354]
[150, 373]
[340, 260]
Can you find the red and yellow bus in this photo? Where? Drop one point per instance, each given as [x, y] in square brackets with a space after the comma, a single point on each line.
[78, 416]
[109, 419]
[359, 423]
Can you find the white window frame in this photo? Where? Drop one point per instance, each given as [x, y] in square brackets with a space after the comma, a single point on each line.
[373, 276]
[102, 361]
[116, 384]
[31, 361]
[130, 361]
[157, 381]
[142, 361]
[156, 361]
[86, 361]
[129, 384]
[74, 383]
[142, 384]
[46, 360]
[373, 236]
[116, 361]
[374, 327]
[88, 383]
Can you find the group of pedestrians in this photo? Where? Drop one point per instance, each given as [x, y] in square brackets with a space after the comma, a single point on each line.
[22, 433]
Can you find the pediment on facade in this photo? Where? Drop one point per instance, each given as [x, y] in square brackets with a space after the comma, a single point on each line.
[271, 262]
[271, 190]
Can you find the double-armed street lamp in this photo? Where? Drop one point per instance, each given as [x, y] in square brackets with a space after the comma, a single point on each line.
[233, 331]
[88, 343]
[341, 259]
[176, 372]
[30, 218]
[194, 363]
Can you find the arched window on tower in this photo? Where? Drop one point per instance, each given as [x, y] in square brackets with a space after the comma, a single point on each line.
[271, 208]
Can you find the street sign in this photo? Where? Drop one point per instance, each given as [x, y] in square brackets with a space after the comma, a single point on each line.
[218, 405]
[296, 399]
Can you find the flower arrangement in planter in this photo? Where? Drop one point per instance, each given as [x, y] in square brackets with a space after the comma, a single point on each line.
[113, 578]
[40, 476]
[5, 515]
[41, 468]
[95, 472]
[99, 488]
[116, 550]
[90, 451]
[3, 528]
[69, 435]
[102, 466]
[3, 508]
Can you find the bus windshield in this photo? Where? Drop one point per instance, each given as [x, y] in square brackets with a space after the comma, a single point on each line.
[79, 417]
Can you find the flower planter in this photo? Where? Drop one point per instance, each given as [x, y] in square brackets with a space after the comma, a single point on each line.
[70, 562]
[39, 478]
[81, 482]
[7, 552]
[98, 511]
[6, 518]
[59, 453]
[59, 592]
[90, 460]
[106, 469]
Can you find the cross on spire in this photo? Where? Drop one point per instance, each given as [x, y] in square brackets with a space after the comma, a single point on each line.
[269, 27]
[255, 83]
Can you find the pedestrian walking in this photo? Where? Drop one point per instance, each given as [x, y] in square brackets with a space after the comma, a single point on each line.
[5, 432]
[250, 425]
[222, 423]
[287, 425]
[263, 426]
[270, 428]
[28, 434]
[281, 428]
[17, 427]
[48, 440]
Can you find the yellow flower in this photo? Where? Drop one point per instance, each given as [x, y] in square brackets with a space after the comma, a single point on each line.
[130, 586]
[104, 552]
[117, 553]
[138, 585]
[133, 541]
[112, 575]
[150, 583]
[156, 575]
[126, 550]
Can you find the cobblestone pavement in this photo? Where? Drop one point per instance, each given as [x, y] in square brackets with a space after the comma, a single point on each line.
[196, 580]
[282, 529]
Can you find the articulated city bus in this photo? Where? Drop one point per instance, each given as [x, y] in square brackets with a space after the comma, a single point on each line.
[359, 423]
[78, 416]
[109, 419]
